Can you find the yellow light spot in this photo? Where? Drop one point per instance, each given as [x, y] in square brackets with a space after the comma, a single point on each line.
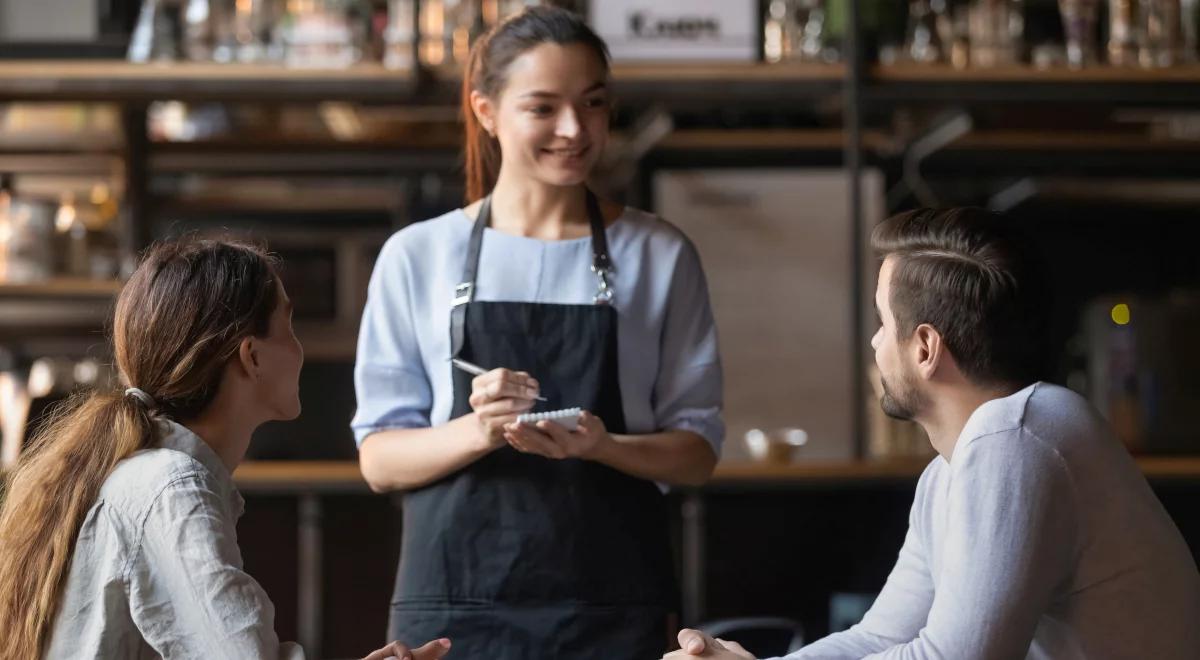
[1120, 314]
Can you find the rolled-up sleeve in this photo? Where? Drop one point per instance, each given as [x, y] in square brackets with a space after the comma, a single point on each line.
[688, 389]
[389, 377]
[189, 596]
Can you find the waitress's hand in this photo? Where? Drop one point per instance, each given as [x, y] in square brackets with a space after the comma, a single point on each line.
[397, 651]
[551, 440]
[696, 644]
[497, 397]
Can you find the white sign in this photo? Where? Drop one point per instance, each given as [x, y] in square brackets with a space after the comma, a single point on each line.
[679, 29]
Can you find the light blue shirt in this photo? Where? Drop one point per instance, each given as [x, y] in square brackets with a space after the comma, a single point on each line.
[670, 369]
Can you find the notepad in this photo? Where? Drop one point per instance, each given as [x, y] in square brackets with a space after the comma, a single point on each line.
[567, 418]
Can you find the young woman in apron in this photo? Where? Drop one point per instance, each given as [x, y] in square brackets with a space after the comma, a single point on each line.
[525, 540]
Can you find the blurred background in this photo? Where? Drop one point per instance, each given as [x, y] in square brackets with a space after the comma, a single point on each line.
[775, 133]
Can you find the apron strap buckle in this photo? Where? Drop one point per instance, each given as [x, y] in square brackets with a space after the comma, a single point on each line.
[604, 292]
[463, 294]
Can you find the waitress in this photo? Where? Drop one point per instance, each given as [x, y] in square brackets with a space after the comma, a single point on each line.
[527, 540]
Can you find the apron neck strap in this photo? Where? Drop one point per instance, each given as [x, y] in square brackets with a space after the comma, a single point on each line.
[600, 259]
[465, 291]
[601, 262]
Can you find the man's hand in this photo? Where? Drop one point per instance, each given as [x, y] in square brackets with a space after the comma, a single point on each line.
[693, 643]
[397, 651]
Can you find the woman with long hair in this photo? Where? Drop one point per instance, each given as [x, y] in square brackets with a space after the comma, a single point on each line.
[524, 539]
[117, 535]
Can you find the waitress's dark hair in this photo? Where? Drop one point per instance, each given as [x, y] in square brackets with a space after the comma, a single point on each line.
[487, 73]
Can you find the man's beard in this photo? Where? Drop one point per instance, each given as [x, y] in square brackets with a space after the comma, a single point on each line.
[903, 402]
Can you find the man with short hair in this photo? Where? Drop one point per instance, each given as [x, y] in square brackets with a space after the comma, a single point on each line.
[1033, 533]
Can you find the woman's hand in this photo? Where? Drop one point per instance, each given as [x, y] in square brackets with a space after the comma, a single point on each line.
[497, 397]
[551, 440]
[397, 651]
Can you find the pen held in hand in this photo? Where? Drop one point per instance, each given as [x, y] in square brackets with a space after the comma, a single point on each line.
[476, 370]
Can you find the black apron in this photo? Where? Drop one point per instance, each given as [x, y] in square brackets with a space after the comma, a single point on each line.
[522, 557]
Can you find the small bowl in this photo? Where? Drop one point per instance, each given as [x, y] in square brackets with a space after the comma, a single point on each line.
[775, 445]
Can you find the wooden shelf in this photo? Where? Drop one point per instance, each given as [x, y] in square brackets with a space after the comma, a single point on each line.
[682, 139]
[716, 72]
[769, 139]
[60, 307]
[692, 87]
[62, 287]
[1183, 74]
[218, 155]
[126, 81]
[689, 85]
[237, 196]
[97, 164]
[1170, 467]
[671, 84]
[707, 72]
[1053, 140]
[1024, 84]
[1154, 467]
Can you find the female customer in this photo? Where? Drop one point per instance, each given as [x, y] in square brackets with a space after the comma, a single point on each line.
[117, 534]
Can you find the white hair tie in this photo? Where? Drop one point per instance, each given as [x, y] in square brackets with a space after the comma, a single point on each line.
[146, 399]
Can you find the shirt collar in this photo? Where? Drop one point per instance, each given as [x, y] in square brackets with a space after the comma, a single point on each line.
[180, 438]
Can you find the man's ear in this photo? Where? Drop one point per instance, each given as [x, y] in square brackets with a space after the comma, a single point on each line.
[485, 112]
[248, 357]
[929, 348]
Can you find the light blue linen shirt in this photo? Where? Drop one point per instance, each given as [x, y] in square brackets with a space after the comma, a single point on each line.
[670, 369]
[157, 571]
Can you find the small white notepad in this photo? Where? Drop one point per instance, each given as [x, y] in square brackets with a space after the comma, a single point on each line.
[567, 418]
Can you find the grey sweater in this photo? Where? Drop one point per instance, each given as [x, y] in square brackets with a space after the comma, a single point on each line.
[1039, 539]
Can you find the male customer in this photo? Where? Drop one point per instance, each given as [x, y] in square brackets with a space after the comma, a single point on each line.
[1032, 534]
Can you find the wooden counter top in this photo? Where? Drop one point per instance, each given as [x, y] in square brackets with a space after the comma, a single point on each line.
[265, 477]
[297, 476]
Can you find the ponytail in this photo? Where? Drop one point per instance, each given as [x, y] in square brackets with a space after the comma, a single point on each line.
[48, 495]
[481, 151]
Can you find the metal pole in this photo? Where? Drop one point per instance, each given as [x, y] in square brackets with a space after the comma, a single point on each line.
[135, 227]
[852, 120]
[308, 588]
[693, 569]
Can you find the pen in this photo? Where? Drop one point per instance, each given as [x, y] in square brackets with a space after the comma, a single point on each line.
[476, 370]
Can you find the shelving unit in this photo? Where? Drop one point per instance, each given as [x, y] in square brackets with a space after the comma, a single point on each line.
[849, 92]
[855, 87]
[852, 88]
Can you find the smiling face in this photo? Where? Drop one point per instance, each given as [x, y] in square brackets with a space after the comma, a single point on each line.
[552, 116]
[902, 398]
